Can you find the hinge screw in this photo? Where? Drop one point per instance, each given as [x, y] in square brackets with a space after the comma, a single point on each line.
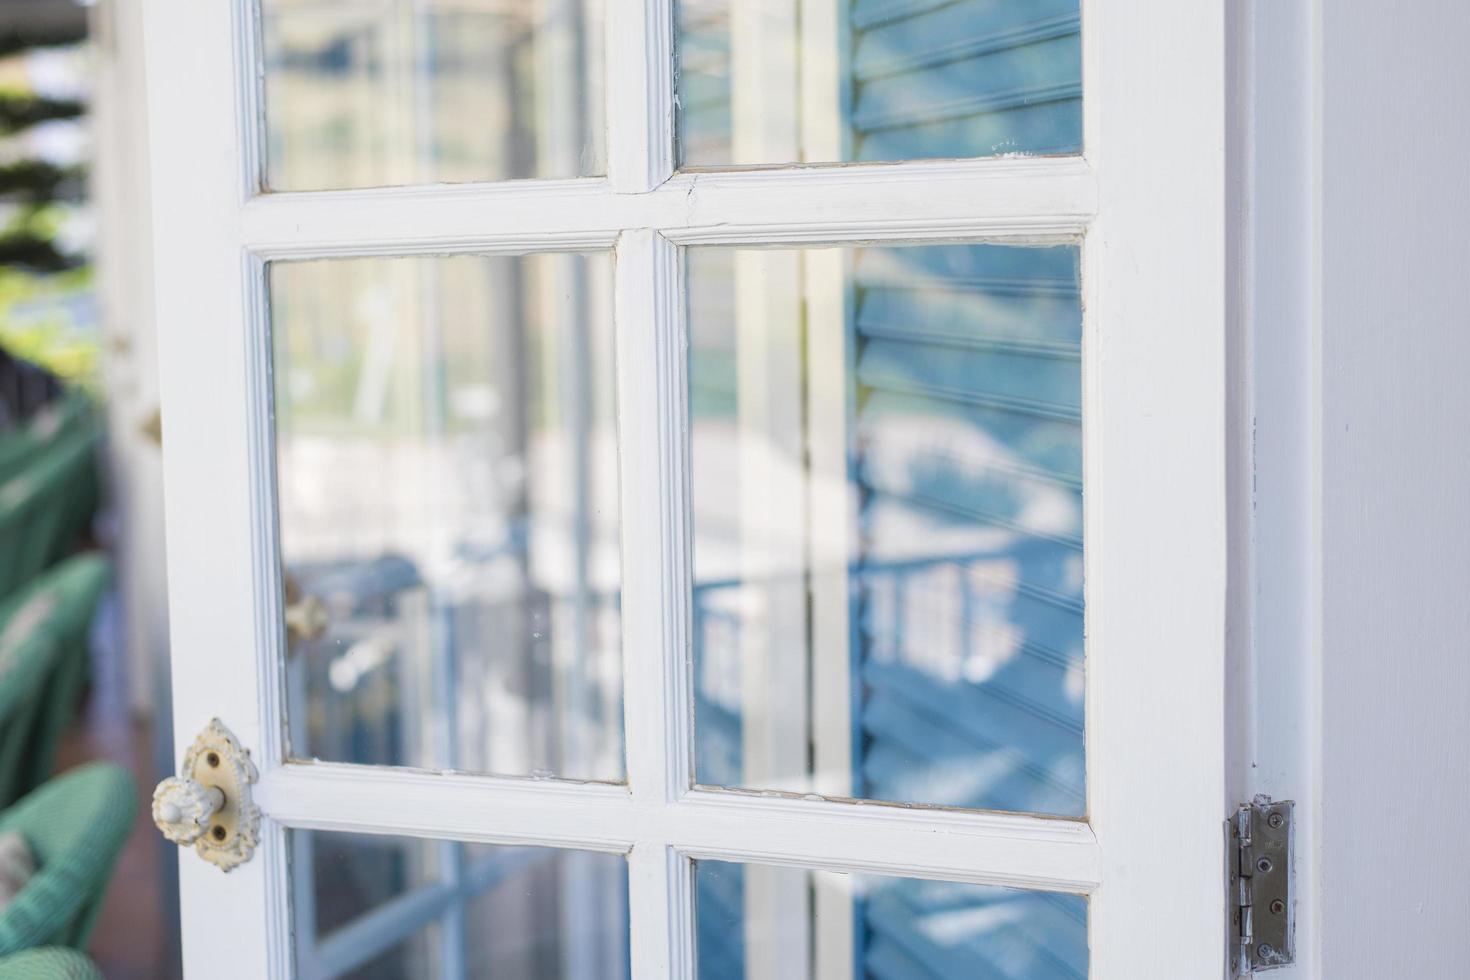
[1264, 866]
[1277, 906]
[1275, 821]
[1264, 951]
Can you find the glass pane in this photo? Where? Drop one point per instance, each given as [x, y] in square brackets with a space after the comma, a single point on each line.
[352, 874]
[887, 494]
[363, 93]
[398, 908]
[414, 957]
[829, 81]
[752, 920]
[447, 492]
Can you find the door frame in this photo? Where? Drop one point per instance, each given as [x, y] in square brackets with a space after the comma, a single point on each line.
[1148, 200]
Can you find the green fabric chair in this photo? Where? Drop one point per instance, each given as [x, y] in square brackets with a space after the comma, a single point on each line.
[44, 665]
[76, 825]
[49, 963]
[45, 506]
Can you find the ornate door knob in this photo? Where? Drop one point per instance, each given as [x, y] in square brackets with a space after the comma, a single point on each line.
[182, 808]
[208, 804]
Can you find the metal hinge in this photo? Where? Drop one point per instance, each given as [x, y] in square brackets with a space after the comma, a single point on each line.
[1260, 886]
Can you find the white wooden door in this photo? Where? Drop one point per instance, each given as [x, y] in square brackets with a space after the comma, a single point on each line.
[587, 452]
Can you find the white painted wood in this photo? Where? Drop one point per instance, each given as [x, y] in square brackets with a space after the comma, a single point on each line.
[640, 94]
[1355, 345]
[1148, 199]
[1239, 396]
[660, 880]
[989, 848]
[1040, 197]
[1276, 669]
[654, 481]
[1390, 346]
[1154, 431]
[209, 401]
[653, 485]
[1034, 852]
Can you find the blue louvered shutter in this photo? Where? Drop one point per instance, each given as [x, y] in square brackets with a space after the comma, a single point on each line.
[968, 467]
[968, 430]
[937, 78]
[966, 411]
[967, 362]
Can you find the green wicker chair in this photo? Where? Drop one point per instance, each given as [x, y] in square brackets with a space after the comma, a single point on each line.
[49, 963]
[45, 506]
[44, 664]
[76, 586]
[28, 656]
[55, 421]
[76, 825]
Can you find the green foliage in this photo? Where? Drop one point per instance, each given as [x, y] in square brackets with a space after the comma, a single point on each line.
[21, 110]
[24, 250]
[48, 34]
[45, 291]
[34, 324]
[28, 242]
[39, 182]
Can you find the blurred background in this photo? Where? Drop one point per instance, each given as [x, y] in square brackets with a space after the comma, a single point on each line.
[82, 575]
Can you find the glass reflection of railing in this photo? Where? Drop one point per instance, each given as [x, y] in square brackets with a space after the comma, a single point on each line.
[954, 664]
[342, 705]
[391, 908]
[478, 672]
[966, 690]
[376, 932]
[385, 684]
[966, 683]
[955, 670]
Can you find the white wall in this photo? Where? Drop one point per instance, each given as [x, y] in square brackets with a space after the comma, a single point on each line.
[125, 285]
[1274, 647]
[1349, 607]
[1393, 327]
[120, 188]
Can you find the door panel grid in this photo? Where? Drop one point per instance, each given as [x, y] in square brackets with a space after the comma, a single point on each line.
[657, 819]
[1152, 384]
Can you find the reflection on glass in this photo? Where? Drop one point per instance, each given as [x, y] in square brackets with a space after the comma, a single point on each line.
[754, 920]
[411, 958]
[398, 908]
[829, 81]
[352, 874]
[447, 493]
[363, 93]
[887, 494]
